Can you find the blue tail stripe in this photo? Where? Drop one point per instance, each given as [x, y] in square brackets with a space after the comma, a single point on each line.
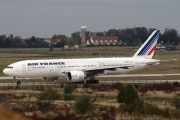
[149, 43]
[149, 46]
[152, 39]
[152, 45]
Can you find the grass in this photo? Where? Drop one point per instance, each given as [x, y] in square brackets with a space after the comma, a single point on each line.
[162, 99]
[101, 98]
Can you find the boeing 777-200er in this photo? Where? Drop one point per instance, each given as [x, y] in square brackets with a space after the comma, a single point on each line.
[77, 70]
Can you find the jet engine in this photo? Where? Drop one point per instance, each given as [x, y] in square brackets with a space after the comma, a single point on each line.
[50, 78]
[76, 76]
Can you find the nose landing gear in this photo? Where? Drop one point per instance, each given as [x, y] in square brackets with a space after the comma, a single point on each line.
[18, 82]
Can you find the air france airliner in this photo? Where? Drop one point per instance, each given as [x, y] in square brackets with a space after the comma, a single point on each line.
[77, 70]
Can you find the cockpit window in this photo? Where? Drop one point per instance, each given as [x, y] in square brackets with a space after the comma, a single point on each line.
[9, 67]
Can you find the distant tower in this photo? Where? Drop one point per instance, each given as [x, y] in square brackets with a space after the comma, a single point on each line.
[83, 35]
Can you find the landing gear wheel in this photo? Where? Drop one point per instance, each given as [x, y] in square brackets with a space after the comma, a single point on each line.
[92, 81]
[88, 81]
[97, 81]
[18, 82]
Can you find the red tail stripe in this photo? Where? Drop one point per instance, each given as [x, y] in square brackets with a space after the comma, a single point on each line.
[152, 50]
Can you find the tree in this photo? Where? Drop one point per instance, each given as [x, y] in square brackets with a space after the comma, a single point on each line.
[75, 35]
[31, 42]
[60, 37]
[46, 98]
[7, 43]
[17, 42]
[127, 95]
[49, 94]
[40, 43]
[112, 32]
[2, 40]
[44, 106]
[55, 37]
[83, 104]
[36, 43]
[100, 34]
[176, 101]
[129, 100]
[60, 43]
[68, 89]
[75, 39]
[171, 36]
[142, 33]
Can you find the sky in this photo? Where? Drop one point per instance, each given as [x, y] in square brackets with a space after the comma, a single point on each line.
[44, 18]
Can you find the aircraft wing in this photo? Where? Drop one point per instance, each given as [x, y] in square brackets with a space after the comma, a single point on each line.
[109, 68]
[99, 69]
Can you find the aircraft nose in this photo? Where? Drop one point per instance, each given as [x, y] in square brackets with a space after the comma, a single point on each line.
[5, 71]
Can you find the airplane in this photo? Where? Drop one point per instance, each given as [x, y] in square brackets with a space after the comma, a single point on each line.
[77, 70]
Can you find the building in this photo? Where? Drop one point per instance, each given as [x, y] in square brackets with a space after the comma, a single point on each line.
[103, 40]
[51, 41]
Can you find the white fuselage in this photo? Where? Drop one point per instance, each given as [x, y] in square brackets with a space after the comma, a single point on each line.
[58, 67]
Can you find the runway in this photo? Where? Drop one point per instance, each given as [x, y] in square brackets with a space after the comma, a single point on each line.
[46, 83]
[139, 75]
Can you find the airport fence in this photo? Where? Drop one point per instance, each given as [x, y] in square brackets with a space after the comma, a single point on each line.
[38, 85]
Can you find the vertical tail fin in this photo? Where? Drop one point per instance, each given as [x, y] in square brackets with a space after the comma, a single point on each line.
[147, 49]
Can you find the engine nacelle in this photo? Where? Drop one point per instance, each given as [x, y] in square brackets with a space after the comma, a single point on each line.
[50, 78]
[76, 76]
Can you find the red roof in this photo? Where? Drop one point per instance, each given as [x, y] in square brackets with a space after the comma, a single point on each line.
[103, 40]
[52, 41]
[47, 38]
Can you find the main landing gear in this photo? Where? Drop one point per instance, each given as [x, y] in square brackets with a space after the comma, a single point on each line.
[92, 80]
